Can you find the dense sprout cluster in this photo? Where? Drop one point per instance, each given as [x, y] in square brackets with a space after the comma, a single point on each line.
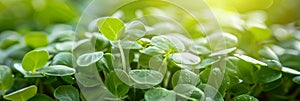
[153, 54]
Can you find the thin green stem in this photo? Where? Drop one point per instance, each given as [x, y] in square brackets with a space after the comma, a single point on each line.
[165, 59]
[166, 79]
[122, 55]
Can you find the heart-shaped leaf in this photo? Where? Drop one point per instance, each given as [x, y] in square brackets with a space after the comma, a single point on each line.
[58, 70]
[111, 28]
[89, 58]
[34, 60]
[23, 94]
[66, 93]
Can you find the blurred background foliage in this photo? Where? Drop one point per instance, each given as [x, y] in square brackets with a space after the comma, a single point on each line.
[40, 14]
[279, 11]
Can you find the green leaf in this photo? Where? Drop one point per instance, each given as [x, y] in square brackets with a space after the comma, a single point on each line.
[23, 94]
[296, 79]
[34, 75]
[36, 39]
[199, 50]
[272, 85]
[268, 53]
[152, 50]
[184, 77]
[63, 58]
[267, 75]
[167, 43]
[111, 28]
[58, 70]
[216, 78]
[185, 58]
[245, 97]
[211, 93]
[230, 40]
[150, 77]
[190, 92]
[134, 31]
[127, 45]
[160, 94]
[250, 60]
[136, 25]
[124, 77]
[89, 58]
[245, 71]
[6, 78]
[64, 46]
[256, 25]
[66, 93]
[34, 60]
[221, 40]
[290, 71]
[206, 62]
[87, 80]
[273, 64]
[115, 85]
[231, 65]
[101, 42]
[157, 63]
[133, 35]
[41, 97]
[7, 43]
[9, 38]
[238, 88]
[106, 62]
[222, 52]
